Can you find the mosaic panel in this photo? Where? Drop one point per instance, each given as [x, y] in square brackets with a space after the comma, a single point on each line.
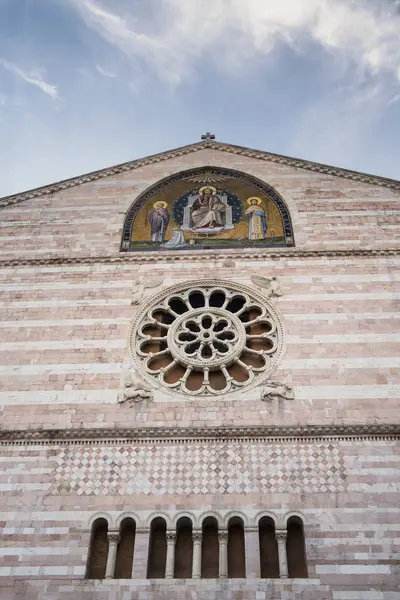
[208, 468]
[207, 208]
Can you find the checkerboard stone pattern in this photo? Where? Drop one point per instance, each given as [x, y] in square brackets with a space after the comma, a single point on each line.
[206, 468]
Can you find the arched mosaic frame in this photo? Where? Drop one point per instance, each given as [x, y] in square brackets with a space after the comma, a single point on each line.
[238, 339]
[260, 185]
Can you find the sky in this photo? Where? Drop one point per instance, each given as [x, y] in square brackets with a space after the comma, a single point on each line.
[87, 84]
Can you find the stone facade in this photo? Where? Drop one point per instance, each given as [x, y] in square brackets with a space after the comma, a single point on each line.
[72, 452]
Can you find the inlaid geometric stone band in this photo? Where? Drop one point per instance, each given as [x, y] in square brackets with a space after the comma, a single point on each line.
[207, 338]
[204, 468]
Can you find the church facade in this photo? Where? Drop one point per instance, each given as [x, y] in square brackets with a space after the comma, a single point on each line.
[200, 382]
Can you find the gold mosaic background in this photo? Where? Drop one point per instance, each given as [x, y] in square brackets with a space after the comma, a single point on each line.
[242, 189]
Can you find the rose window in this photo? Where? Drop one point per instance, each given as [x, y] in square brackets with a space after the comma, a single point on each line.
[207, 339]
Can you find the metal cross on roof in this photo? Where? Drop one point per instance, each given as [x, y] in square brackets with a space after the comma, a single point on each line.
[208, 136]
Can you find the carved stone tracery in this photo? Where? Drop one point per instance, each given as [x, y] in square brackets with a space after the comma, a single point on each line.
[207, 338]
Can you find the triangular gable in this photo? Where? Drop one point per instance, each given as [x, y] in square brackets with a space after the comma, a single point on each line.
[206, 144]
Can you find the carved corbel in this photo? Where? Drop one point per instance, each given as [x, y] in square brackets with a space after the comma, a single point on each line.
[277, 389]
[270, 285]
[140, 287]
[134, 390]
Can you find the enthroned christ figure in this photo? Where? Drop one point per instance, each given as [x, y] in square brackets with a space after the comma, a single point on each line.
[208, 210]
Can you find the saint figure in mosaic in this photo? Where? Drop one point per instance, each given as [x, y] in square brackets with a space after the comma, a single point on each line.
[208, 209]
[256, 219]
[159, 219]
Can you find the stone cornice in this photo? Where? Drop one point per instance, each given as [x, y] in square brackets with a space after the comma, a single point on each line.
[190, 255]
[184, 150]
[196, 434]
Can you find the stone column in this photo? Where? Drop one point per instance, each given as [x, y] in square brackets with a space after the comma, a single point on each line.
[170, 564]
[196, 568]
[280, 535]
[252, 552]
[223, 554]
[141, 553]
[113, 539]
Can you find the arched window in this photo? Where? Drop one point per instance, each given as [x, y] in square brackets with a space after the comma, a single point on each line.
[236, 548]
[123, 564]
[210, 549]
[269, 560]
[98, 550]
[157, 549]
[183, 549]
[295, 548]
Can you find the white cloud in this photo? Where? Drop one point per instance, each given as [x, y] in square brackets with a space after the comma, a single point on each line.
[180, 32]
[394, 99]
[34, 77]
[105, 72]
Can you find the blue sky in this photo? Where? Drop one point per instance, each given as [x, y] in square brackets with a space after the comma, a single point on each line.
[86, 84]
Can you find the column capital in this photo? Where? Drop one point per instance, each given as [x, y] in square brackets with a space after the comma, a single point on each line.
[223, 536]
[281, 534]
[171, 537]
[197, 536]
[113, 537]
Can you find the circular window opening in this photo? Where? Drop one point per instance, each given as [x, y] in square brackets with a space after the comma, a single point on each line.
[207, 339]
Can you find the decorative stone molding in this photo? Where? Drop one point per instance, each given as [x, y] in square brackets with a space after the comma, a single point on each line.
[184, 514]
[207, 338]
[190, 256]
[126, 515]
[207, 144]
[143, 520]
[100, 515]
[276, 389]
[156, 515]
[268, 514]
[293, 513]
[213, 514]
[235, 513]
[179, 435]
[271, 286]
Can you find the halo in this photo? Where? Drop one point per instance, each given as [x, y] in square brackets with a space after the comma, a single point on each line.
[254, 198]
[162, 202]
[208, 187]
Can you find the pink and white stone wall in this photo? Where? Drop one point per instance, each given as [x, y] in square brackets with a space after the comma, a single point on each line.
[63, 331]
